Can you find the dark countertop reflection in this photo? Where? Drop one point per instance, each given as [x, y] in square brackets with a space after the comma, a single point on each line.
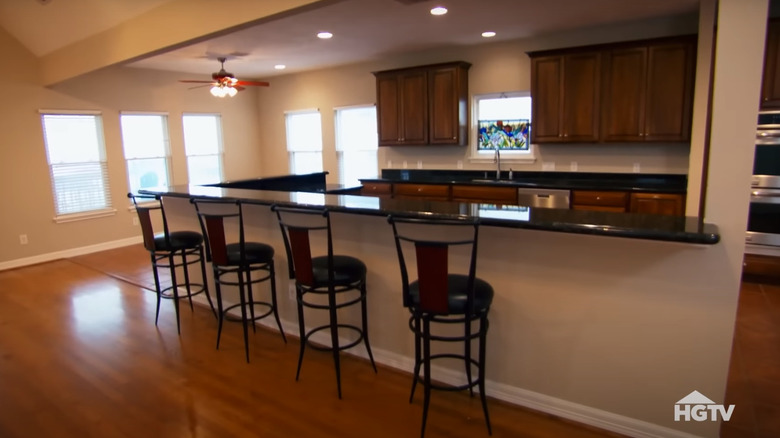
[630, 225]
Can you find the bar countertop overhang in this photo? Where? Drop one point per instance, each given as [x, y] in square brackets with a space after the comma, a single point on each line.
[627, 225]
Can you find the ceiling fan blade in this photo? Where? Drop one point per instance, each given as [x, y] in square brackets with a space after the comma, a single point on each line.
[253, 83]
[239, 88]
[198, 86]
[193, 81]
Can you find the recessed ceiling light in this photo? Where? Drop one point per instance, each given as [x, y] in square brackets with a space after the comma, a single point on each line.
[439, 10]
[324, 35]
[280, 66]
[488, 34]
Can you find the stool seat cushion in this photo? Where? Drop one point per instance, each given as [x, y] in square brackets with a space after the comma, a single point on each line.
[457, 285]
[347, 270]
[256, 252]
[178, 240]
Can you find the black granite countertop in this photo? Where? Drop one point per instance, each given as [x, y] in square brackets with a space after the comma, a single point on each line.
[630, 225]
[637, 182]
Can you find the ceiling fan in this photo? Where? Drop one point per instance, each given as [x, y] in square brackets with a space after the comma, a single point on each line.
[224, 83]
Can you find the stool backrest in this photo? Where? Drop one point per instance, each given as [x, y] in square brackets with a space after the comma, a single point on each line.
[297, 225]
[144, 210]
[212, 215]
[417, 247]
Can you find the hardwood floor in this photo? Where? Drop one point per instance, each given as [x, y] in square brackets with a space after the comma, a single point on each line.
[81, 357]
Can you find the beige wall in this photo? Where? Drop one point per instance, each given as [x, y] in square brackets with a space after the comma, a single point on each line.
[26, 191]
[496, 67]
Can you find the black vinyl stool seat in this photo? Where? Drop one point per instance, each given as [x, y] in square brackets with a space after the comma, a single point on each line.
[234, 264]
[165, 248]
[330, 276]
[442, 297]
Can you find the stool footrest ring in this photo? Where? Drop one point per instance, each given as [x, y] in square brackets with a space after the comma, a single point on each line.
[330, 348]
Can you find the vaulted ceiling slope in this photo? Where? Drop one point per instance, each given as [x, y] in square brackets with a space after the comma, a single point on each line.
[74, 37]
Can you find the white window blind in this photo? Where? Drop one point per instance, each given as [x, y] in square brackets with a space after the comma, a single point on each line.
[304, 141]
[356, 144]
[77, 163]
[203, 146]
[145, 142]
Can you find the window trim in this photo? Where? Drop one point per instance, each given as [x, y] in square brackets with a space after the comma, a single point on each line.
[108, 210]
[340, 152]
[166, 147]
[474, 156]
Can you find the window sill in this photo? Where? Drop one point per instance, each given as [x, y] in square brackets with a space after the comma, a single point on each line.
[84, 216]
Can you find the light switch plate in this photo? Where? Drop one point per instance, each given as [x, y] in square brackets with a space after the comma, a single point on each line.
[573, 166]
[405, 164]
[460, 164]
[636, 167]
[419, 164]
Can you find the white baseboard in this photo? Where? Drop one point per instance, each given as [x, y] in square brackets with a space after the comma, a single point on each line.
[42, 258]
[517, 396]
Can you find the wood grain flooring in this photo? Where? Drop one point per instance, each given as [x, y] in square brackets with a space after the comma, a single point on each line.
[80, 356]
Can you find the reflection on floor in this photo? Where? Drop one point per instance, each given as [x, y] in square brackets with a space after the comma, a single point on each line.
[754, 375]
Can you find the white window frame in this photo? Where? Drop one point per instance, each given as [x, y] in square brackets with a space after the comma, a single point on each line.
[220, 145]
[166, 146]
[291, 153]
[107, 210]
[340, 152]
[475, 156]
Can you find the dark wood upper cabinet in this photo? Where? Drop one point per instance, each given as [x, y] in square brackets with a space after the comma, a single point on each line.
[565, 90]
[770, 89]
[631, 92]
[425, 105]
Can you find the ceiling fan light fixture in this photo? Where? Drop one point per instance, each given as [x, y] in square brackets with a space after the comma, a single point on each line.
[231, 91]
[217, 91]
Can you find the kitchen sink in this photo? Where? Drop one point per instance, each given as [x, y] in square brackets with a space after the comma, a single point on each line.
[494, 181]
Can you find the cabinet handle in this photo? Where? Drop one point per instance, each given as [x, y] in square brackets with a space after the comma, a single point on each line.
[454, 138]
[419, 189]
[598, 198]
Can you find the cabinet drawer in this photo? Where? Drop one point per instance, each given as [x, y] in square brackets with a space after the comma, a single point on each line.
[376, 189]
[761, 265]
[502, 195]
[422, 190]
[603, 199]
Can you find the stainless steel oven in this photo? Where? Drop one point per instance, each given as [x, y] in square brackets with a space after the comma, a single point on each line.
[763, 233]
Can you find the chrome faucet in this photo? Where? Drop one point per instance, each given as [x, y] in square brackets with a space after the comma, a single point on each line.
[497, 160]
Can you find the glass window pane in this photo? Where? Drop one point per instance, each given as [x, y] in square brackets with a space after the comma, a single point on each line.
[354, 165]
[71, 138]
[204, 169]
[146, 173]
[504, 108]
[304, 131]
[202, 134]
[80, 187]
[144, 135]
[306, 162]
[356, 129]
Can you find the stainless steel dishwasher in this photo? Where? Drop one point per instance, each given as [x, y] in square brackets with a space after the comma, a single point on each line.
[547, 198]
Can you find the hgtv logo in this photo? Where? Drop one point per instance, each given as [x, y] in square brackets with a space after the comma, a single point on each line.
[697, 407]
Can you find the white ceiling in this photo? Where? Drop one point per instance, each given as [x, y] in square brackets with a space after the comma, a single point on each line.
[363, 29]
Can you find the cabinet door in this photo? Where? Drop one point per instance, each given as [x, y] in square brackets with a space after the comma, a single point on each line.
[669, 92]
[414, 108]
[770, 89]
[447, 106]
[388, 110]
[484, 194]
[657, 203]
[546, 99]
[440, 192]
[580, 115]
[623, 104]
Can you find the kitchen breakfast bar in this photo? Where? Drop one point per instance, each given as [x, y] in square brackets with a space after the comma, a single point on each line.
[603, 318]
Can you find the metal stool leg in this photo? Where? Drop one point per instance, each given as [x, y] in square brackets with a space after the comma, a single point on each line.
[364, 311]
[427, 371]
[483, 328]
[186, 270]
[205, 280]
[220, 309]
[273, 300]
[174, 290]
[301, 328]
[334, 336]
[157, 287]
[416, 356]
[241, 296]
[467, 354]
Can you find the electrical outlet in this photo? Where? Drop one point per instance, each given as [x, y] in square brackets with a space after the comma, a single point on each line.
[460, 164]
[405, 165]
[23, 239]
[291, 292]
[573, 166]
[636, 167]
[389, 164]
[548, 165]
[419, 164]
[135, 220]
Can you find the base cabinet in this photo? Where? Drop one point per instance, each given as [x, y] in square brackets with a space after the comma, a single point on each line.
[657, 203]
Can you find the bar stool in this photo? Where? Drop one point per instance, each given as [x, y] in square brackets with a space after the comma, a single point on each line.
[234, 263]
[334, 276]
[440, 296]
[166, 247]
